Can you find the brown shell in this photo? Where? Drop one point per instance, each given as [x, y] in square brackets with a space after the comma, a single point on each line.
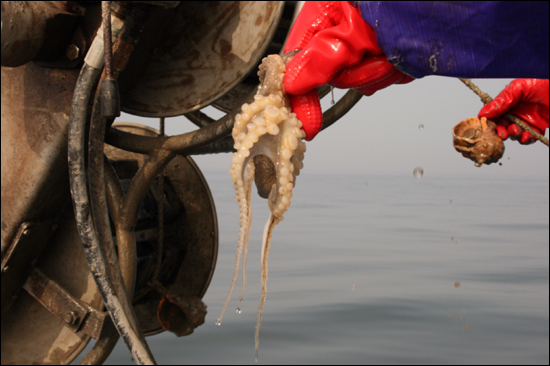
[477, 140]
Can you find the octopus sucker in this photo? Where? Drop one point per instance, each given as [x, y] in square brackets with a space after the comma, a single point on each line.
[269, 149]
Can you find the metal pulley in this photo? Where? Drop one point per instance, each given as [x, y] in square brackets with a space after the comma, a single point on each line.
[190, 239]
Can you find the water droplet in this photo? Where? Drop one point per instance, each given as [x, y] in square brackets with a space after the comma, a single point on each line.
[421, 126]
[418, 172]
[238, 310]
[218, 322]
[332, 94]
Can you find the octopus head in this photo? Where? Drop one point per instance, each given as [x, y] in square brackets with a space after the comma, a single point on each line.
[268, 141]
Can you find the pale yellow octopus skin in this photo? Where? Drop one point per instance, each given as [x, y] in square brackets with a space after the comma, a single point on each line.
[265, 127]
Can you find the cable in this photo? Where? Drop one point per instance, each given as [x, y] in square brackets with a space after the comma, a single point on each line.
[77, 174]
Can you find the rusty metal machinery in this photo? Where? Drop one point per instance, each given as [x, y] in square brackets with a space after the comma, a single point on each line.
[109, 230]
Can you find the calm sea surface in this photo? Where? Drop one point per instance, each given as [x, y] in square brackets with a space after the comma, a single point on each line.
[382, 269]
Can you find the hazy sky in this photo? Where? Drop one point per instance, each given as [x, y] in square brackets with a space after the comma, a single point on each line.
[381, 134]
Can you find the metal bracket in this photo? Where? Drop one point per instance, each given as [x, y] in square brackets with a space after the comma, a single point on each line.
[74, 313]
[26, 247]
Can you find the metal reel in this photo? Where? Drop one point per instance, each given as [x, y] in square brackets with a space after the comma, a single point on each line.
[209, 47]
[190, 238]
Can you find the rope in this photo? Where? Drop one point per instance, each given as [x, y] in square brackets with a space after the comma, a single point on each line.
[486, 98]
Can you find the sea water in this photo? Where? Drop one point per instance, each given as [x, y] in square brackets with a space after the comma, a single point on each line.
[382, 269]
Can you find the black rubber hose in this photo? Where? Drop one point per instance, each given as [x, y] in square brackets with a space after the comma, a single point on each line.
[122, 277]
[77, 174]
[96, 181]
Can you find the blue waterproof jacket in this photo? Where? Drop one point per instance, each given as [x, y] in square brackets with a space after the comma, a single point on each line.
[469, 39]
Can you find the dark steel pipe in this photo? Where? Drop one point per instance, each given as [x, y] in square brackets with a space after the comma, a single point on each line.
[144, 144]
[154, 163]
[101, 350]
[125, 239]
[134, 143]
[160, 218]
[199, 119]
[223, 145]
[180, 144]
[342, 107]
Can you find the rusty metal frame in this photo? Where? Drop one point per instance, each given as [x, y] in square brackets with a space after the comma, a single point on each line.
[29, 242]
[73, 312]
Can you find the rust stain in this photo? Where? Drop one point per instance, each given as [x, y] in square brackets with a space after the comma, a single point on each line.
[197, 60]
[225, 47]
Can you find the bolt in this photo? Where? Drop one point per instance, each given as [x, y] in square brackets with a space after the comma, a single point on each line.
[72, 52]
[71, 318]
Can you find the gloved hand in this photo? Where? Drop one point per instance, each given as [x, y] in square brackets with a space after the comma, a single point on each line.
[338, 48]
[525, 98]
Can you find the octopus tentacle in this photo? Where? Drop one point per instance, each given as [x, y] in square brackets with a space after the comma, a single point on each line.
[245, 221]
[269, 149]
[266, 244]
[245, 254]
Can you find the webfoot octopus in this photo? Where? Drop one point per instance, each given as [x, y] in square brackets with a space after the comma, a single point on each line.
[269, 149]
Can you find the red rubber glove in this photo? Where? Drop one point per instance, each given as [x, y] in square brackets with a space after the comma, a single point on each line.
[338, 48]
[525, 98]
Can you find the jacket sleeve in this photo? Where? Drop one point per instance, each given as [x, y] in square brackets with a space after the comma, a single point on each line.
[469, 39]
